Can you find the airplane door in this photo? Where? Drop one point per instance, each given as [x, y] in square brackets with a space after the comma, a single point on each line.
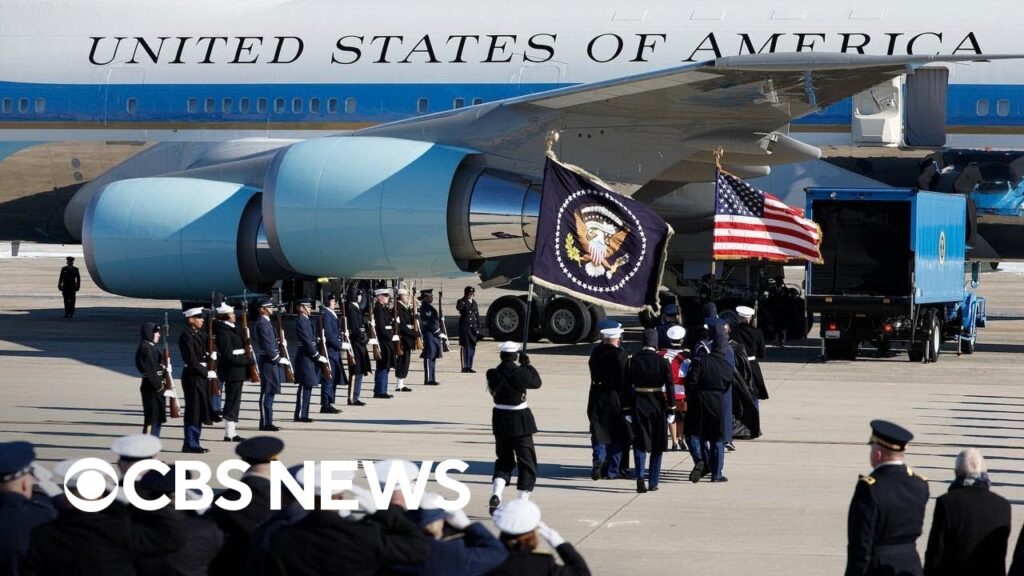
[121, 93]
[926, 107]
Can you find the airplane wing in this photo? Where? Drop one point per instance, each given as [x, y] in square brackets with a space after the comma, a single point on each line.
[665, 125]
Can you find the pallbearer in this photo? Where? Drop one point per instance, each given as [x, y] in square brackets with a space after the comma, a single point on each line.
[149, 363]
[608, 432]
[194, 380]
[359, 339]
[270, 365]
[382, 320]
[469, 327]
[332, 335]
[512, 422]
[232, 367]
[407, 337]
[306, 357]
[649, 408]
[430, 324]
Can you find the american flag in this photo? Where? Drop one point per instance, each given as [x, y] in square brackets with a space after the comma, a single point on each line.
[751, 223]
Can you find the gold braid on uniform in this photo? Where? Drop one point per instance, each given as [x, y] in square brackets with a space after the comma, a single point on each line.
[869, 480]
[885, 443]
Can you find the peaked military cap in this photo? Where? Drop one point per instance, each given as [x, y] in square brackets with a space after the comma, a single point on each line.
[15, 460]
[259, 449]
[304, 302]
[889, 435]
[671, 310]
[136, 447]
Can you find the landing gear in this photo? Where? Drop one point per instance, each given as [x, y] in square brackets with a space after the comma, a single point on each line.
[562, 320]
[566, 321]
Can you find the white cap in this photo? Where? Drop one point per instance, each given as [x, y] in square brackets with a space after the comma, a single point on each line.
[136, 446]
[192, 312]
[517, 516]
[402, 291]
[60, 471]
[509, 346]
[225, 308]
[431, 501]
[615, 332]
[300, 476]
[676, 333]
[745, 312]
[382, 292]
[384, 468]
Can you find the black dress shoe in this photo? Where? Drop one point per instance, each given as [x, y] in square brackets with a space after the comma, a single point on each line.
[356, 403]
[432, 383]
[235, 438]
[329, 410]
[595, 471]
[641, 487]
[493, 504]
[471, 371]
[722, 479]
[384, 396]
[304, 420]
[465, 370]
[270, 428]
[730, 447]
[216, 418]
[697, 472]
[652, 489]
[403, 389]
[195, 450]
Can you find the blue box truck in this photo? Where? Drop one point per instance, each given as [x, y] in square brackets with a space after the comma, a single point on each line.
[893, 272]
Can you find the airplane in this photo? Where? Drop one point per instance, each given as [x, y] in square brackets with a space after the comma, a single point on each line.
[194, 146]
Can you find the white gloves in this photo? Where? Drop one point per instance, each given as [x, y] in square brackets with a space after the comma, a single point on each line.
[346, 346]
[203, 364]
[44, 479]
[211, 374]
[408, 326]
[394, 338]
[285, 361]
[364, 498]
[671, 418]
[444, 336]
[373, 342]
[213, 355]
[547, 533]
[457, 519]
[629, 419]
[284, 342]
[170, 394]
[323, 360]
[238, 352]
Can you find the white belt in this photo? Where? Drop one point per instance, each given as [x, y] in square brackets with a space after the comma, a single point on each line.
[510, 407]
[751, 358]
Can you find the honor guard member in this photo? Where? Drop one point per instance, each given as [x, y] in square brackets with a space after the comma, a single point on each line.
[752, 340]
[469, 327]
[679, 362]
[359, 339]
[306, 358]
[512, 422]
[69, 284]
[382, 318]
[194, 380]
[270, 365]
[707, 418]
[887, 510]
[407, 337]
[135, 448]
[430, 324]
[608, 431]
[19, 512]
[332, 335]
[239, 526]
[649, 409]
[232, 367]
[149, 363]
[671, 315]
[520, 526]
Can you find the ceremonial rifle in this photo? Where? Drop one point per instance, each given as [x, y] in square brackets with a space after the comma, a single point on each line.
[374, 342]
[282, 343]
[350, 358]
[211, 352]
[396, 325]
[444, 329]
[254, 370]
[172, 399]
[416, 320]
[325, 367]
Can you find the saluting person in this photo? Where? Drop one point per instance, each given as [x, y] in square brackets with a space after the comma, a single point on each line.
[20, 513]
[407, 337]
[69, 284]
[382, 325]
[149, 363]
[649, 409]
[270, 360]
[232, 368]
[608, 433]
[194, 380]
[469, 327]
[306, 358]
[359, 340]
[332, 335]
[430, 324]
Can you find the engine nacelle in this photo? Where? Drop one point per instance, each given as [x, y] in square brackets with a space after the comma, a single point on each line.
[177, 238]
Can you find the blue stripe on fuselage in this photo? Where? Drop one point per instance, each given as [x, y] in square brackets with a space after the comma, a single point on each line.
[374, 103]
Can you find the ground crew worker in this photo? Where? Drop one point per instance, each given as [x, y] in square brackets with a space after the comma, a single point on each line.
[332, 337]
[608, 433]
[430, 325]
[270, 360]
[469, 328]
[382, 325]
[69, 284]
[887, 511]
[406, 337]
[232, 368]
[19, 512]
[194, 380]
[520, 525]
[358, 339]
[752, 340]
[306, 359]
[149, 363]
[649, 408]
[512, 423]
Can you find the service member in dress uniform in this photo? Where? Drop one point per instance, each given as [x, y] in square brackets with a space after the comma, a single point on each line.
[232, 368]
[679, 361]
[887, 510]
[520, 525]
[194, 380]
[149, 363]
[650, 408]
[307, 374]
[458, 547]
[430, 325]
[512, 422]
[707, 417]
[608, 433]
[332, 335]
[382, 318]
[359, 340]
[469, 327]
[270, 364]
[407, 337]
[134, 448]
[69, 284]
[239, 526]
[19, 512]
[752, 340]
[671, 318]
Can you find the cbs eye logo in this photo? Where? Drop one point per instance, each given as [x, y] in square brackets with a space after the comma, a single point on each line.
[85, 483]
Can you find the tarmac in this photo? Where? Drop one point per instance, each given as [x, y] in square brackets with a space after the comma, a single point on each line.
[70, 387]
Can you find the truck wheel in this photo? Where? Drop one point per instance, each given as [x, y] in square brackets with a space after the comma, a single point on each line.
[566, 321]
[934, 345]
[505, 318]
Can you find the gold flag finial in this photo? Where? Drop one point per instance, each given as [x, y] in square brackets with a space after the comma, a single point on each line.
[719, 153]
[551, 140]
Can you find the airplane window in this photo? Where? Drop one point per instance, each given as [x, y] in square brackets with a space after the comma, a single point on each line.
[6, 105]
[40, 105]
[982, 109]
[332, 105]
[23, 105]
[421, 106]
[1003, 108]
[226, 105]
[477, 101]
[261, 106]
[131, 106]
[296, 105]
[209, 105]
[243, 105]
[458, 103]
[193, 105]
[279, 105]
[350, 105]
[314, 105]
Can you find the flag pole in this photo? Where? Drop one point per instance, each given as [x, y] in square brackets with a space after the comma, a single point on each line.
[719, 152]
[526, 319]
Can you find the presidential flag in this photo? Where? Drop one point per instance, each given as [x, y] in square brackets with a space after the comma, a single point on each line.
[597, 245]
[751, 223]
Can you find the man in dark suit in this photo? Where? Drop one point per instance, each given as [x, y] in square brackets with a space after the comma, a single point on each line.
[887, 511]
[971, 524]
[69, 284]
